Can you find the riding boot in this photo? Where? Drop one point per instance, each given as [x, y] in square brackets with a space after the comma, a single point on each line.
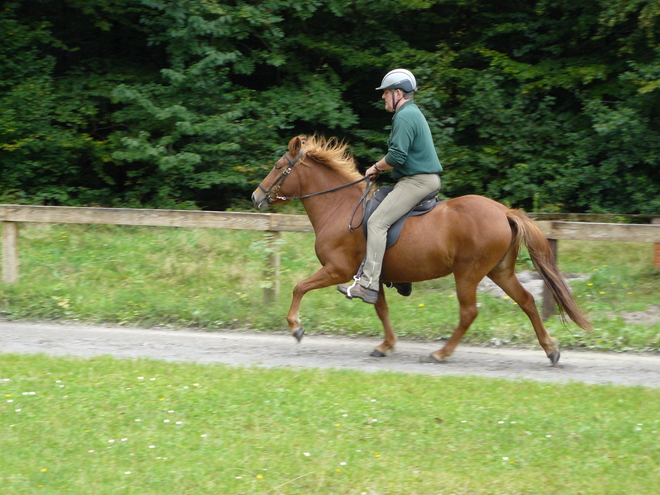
[405, 289]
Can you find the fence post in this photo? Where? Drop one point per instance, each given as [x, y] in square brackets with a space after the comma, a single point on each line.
[272, 271]
[548, 299]
[10, 260]
[656, 258]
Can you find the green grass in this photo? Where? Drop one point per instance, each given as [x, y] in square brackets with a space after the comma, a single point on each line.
[106, 426]
[213, 279]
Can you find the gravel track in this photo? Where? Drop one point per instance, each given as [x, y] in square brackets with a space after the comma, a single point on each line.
[323, 351]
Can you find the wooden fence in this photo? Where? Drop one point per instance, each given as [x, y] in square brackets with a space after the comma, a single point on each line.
[272, 223]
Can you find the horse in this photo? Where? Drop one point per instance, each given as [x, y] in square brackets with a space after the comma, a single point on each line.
[470, 236]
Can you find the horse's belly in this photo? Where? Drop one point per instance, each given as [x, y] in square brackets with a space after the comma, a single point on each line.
[411, 266]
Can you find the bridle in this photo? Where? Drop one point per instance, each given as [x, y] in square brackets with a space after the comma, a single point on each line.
[277, 185]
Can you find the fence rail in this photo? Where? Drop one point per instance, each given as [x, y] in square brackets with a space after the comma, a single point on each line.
[12, 215]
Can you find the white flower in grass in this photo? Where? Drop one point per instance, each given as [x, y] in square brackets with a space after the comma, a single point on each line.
[307, 454]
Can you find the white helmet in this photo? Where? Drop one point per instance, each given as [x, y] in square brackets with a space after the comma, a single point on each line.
[399, 79]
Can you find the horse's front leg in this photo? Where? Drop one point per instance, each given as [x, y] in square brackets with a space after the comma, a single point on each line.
[325, 277]
[383, 313]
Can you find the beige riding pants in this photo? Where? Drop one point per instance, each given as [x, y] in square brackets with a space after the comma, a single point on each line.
[407, 192]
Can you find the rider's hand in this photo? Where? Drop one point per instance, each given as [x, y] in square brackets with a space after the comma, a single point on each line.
[373, 170]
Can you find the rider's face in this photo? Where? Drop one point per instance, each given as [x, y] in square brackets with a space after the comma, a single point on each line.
[387, 96]
[391, 98]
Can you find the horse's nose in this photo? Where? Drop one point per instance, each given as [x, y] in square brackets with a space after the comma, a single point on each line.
[258, 200]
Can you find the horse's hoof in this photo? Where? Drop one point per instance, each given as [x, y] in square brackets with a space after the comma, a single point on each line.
[377, 353]
[298, 334]
[554, 357]
[430, 359]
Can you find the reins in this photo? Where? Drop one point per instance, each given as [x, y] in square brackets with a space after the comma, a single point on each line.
[364, 196]
[288, 198]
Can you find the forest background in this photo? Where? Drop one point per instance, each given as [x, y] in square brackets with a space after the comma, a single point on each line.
[548, 105]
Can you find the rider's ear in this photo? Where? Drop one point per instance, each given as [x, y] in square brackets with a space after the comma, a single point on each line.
[295, 144]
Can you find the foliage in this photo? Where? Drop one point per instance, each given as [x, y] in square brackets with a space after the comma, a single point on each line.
[186, 103]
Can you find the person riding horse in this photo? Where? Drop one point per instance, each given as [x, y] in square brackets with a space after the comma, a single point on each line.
[414, 163]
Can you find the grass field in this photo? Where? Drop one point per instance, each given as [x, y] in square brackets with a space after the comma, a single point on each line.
[105, 426]
[213, 279]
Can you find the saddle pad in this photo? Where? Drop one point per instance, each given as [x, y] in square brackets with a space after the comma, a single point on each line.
[424, 206]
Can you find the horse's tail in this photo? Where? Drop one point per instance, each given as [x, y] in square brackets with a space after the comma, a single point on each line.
[526, 231]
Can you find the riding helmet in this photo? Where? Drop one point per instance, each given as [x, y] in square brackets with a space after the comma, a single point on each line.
[399, 79]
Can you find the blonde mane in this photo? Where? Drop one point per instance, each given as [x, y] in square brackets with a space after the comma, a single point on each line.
[331, 153]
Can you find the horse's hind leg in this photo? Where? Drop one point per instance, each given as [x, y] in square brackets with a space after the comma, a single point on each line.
[507, 280]
[466, 292]
[383, 313]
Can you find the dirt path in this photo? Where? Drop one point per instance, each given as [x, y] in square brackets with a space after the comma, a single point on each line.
[317, 351]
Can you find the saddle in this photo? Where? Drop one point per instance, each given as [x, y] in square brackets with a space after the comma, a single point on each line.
[424, 206]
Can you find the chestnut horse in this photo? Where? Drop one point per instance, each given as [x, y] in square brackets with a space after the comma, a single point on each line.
[469, 236]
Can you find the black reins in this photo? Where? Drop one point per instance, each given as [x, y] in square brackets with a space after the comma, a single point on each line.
[277, 185]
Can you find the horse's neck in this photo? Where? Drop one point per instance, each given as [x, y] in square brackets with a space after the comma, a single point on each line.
[336, 206]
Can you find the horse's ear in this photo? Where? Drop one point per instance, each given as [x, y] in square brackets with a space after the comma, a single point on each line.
[295, 144]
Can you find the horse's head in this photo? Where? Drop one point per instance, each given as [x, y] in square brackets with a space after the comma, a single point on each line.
[267, 192]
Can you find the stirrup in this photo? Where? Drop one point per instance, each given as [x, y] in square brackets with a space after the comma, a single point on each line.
[356, 279]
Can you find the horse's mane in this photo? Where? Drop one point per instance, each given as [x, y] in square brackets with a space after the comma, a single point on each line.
[332, 153]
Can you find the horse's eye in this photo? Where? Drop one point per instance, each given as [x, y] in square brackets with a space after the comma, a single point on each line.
[278, 167]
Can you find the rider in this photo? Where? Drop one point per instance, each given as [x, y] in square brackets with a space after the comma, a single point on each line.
[414, 163]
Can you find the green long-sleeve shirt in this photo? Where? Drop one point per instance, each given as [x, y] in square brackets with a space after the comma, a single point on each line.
[410, 149]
